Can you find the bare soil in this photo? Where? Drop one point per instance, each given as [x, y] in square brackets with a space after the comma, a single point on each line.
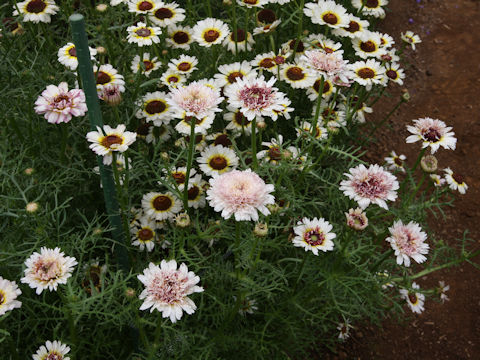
[443, 79]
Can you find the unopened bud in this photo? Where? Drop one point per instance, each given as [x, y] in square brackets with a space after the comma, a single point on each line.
[164, 155]
[429, 163]
[164, 52]
[182, 220]
[273, 208]
[28, 171]
[101, 7]
[97, 231]
[261, 229]
[261, 125]
[405, 95]
[130, 293]
[101, 50]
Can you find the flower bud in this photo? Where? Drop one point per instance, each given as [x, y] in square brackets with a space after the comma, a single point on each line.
[261, 125]
[182, 220]
[429, 163]
[28, 171]
[101, 7]
[261, 229]
[31, 207]
[356, 219]
[101, 50]
[130, 293]
[405, 95]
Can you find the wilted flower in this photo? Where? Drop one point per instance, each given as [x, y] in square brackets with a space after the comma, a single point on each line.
[408, 241]
[314, 235]
[261, 229]
[167, 289]
[59, 104]
[9, 291]
[52, 351]
[111, 94]
[47, 269]
[414, 299]
[240, 193]
[433, 133]
[373, 185]
[182, 220]
[356, 219]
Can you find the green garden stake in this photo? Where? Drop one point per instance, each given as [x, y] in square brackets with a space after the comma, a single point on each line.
[85, 72]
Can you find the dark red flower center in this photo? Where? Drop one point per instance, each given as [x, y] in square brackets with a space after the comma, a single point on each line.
[155, 107]
[366, 73]
[218, 163]
[162, 203]
[145, 234]
[163, 13]
[36, 6]
[295, 73]
[110, 140]
[211, 35]
[330, 18]
[368, 46]
[314, 237]
[181, 37]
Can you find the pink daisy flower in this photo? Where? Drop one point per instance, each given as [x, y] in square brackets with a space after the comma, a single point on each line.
[240, 193]
[408, 241]
[59, 104]
[196, 100]
[256, 97]
[373, 185]
[167, 289]
[433, 133]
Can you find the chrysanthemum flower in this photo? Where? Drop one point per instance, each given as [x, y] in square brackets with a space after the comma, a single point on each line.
[52, 351]
[36, 10]
[327, 13]
[344, 328]
[274, 152]
[394, 73]
[201, 125]
[297, 75]
[237, 121]
[229, 73]
[196, 193]
[368, 73]
[143, 234]
[373, 185]
[243, 37]
[314, 235]
[455, 181]
[167, 289]
[185, 64]
[371, 7]
[265, 62]
[146, 66]
[217, 159]
[179, 175]
[408, 241]
[106, 75]
[58, 104]
[355, 27]
[47, 269]
[67, 56]
[195, 100]
[356, 219]
[415, 300]
[411, 38]
[255, 97]
[210, 31]
[396, 162]
[179, 37]
[141, 6]
[142, 35]
[108, 140]
[368, 44]
[433, 133]
[330, 65]
[167, 14]
[161, 206]
[9, 291]
[154, 107]
[240, 193]
[321, 42]
[173, 79]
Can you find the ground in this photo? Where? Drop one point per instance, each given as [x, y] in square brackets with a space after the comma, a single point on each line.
[443, 81]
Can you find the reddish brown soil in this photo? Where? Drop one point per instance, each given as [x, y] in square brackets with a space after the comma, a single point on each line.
[444, 82]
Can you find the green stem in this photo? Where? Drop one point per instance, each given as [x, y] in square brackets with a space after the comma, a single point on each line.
[380, 261]
[300, 274]
[419, 158]
[191, 151]
[63, 147]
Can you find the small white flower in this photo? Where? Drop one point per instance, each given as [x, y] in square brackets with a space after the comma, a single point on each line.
[415, 300]
[9, 292]
[314, 235]
[52, 351]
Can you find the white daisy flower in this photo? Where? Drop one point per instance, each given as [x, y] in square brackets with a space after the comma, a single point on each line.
[237, 121]
[201, 125]
[306, 128]
[196, 193]
[179, 37]
[67, 56]
[106, 76]
[442, 289]
[394, 73]
[167, 289]
[274, 153]
[356, 26]
[143, 35]
[368, 44]
[48, 269]
[408, 241]
[265, 61]
[314, 235]
[158, 133]
[36, 10]
[185, 64]
[179, 175]
[167, 14]
[229, 73]
[161, 206]
[415, 300]
[372, 185]
[52, 351]
[9, 292]
[173, 79]
[210, 31]
[266, 28]
[141, 6]
[396, 162]
[437, 180]
[433, 133]
[344, 328]
[146, 66]
[327, 13]
[455, 181]
[298, 76]
[217, 159]
[371, 7]
[411, 38]
[154, 107]
[252, 3]
[327, 91]
[103, 142]
[368, 73]
[143, 234]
